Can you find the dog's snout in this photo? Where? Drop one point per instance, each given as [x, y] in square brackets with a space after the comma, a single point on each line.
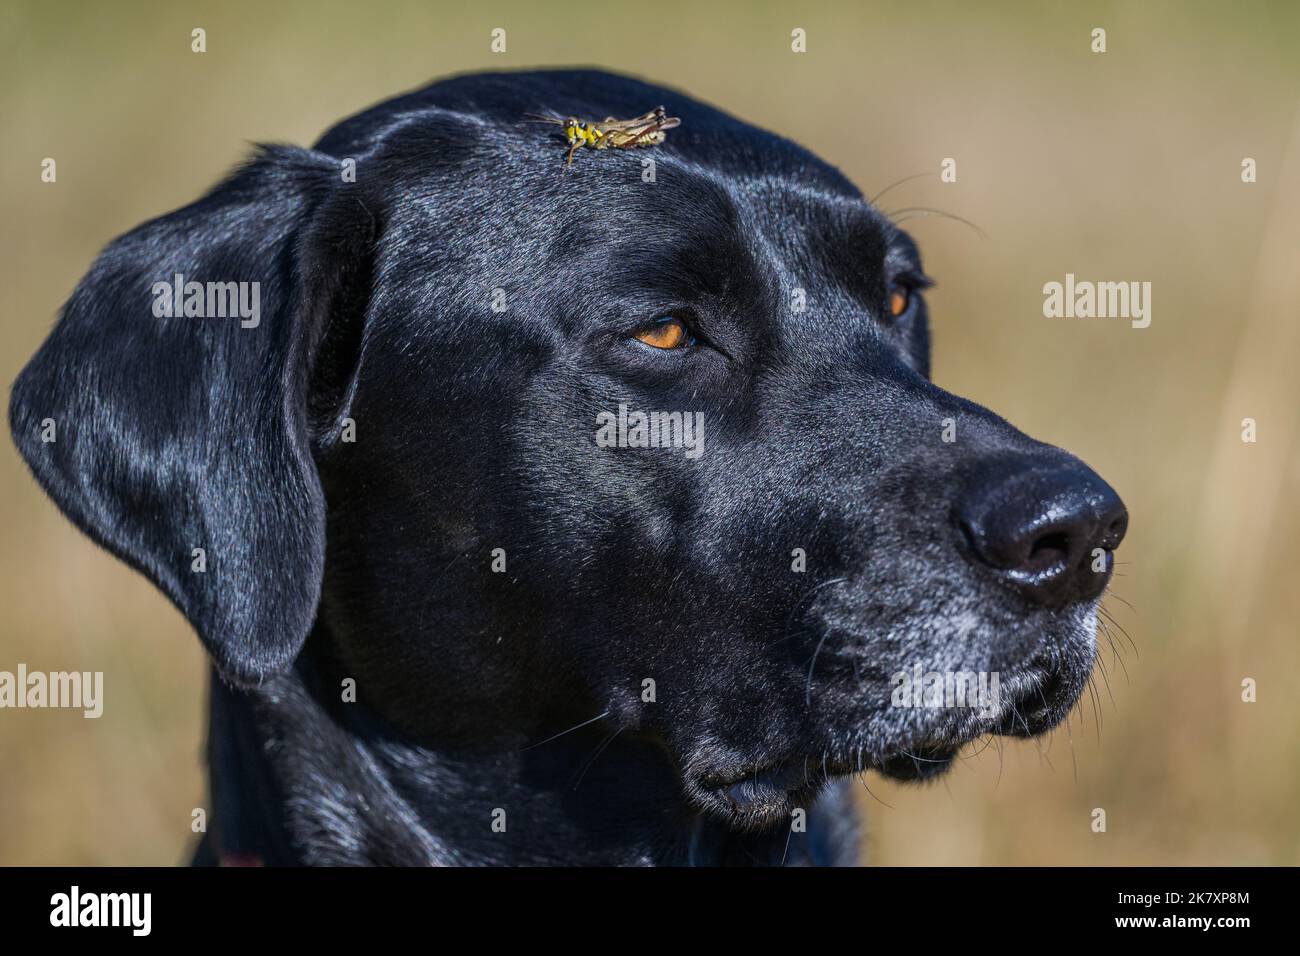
[1047, 529]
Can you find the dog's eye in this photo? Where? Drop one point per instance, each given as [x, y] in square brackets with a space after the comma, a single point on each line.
[900, 299]
[668, 332]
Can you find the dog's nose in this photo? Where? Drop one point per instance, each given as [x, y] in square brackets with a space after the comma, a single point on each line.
[1048, 528]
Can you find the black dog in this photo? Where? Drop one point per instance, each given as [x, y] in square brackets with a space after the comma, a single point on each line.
[388, 484]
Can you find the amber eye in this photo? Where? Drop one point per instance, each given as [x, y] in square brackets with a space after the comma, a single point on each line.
[666, 333]
[900, 297]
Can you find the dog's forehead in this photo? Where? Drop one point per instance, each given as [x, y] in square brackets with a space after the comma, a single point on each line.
[466, 150]
[504, 112]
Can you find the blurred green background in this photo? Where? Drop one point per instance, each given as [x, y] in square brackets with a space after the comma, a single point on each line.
[1116, 166]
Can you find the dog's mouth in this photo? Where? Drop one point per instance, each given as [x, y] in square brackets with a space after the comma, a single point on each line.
[764, 785]
[920, 762]
[776, 784]
[764, 794]
[759, 796]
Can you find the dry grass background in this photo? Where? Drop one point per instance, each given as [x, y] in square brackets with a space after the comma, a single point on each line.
[1117, 166]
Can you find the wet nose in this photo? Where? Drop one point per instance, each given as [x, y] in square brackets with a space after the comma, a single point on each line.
[1046, 528]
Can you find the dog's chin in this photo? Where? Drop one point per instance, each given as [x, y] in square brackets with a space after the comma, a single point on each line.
[767, 797]
[755, 799]
[1036, 698]
[1033, 701]
[925, 762]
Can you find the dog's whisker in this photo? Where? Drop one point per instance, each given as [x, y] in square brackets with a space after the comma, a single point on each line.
[922, 759]
[809, 593]
[592, 759]
[1038, 744]
[862, 778]
[1110, 619]
[920, 212]
[1115, 656]
[1042, 699]
[1074, 760]
[807, 697]
[600, 716]
[1115, 649]
[1096, 705]
[1101, 609]
[1046, 759]
[986, 740]
[1105, 679]
[1092, 700]
[786, 851]
[1017, 715]
[1128, 604]
[898, 182]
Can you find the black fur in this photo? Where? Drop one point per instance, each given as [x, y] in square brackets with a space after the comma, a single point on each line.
[371, 560]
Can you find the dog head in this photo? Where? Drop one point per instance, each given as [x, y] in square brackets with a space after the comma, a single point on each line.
[652, 438]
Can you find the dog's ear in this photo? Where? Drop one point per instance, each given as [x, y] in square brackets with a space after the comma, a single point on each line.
[172, 425]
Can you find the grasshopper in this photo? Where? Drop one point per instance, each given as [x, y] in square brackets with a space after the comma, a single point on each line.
[649, 129]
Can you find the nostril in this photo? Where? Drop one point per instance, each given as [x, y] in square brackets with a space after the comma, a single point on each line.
[1115, 530]
[1039, 527]
[1048, 551]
